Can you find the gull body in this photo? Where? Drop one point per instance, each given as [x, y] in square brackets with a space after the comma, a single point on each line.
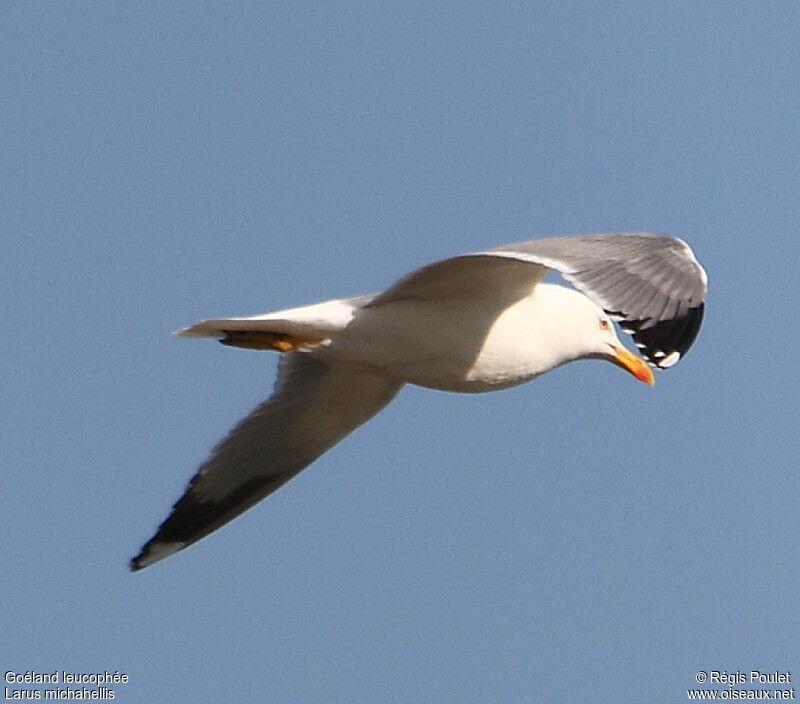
[486, 346]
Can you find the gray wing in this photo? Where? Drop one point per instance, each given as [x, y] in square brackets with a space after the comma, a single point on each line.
[651, 283]
[314, 405]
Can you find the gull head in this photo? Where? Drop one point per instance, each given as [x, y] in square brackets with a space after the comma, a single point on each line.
[577, 328]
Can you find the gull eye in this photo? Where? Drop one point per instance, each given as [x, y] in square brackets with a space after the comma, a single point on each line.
[604, 324]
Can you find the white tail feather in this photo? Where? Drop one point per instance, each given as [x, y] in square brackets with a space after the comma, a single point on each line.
[319, 320]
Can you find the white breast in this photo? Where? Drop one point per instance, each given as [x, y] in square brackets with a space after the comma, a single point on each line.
[454, 346]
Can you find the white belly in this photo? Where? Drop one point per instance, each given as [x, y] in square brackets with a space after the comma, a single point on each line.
[446, 345]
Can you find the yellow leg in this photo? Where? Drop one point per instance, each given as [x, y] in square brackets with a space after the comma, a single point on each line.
[257, 340]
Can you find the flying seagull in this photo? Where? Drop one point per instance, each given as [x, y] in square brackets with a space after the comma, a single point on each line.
[476, 322]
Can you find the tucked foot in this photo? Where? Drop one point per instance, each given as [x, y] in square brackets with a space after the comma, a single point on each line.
[257, 340]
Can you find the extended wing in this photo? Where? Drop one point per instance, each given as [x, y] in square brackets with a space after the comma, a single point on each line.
[653, 284]
[313, 407]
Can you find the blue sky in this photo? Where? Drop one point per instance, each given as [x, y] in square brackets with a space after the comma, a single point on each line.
[580, 538]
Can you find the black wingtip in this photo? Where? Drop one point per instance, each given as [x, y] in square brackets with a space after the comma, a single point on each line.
[192, 518]
[144, 558]
[668, 340]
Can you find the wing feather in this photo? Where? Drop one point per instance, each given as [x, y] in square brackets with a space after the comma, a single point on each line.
[652, 284]
[314, 405]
